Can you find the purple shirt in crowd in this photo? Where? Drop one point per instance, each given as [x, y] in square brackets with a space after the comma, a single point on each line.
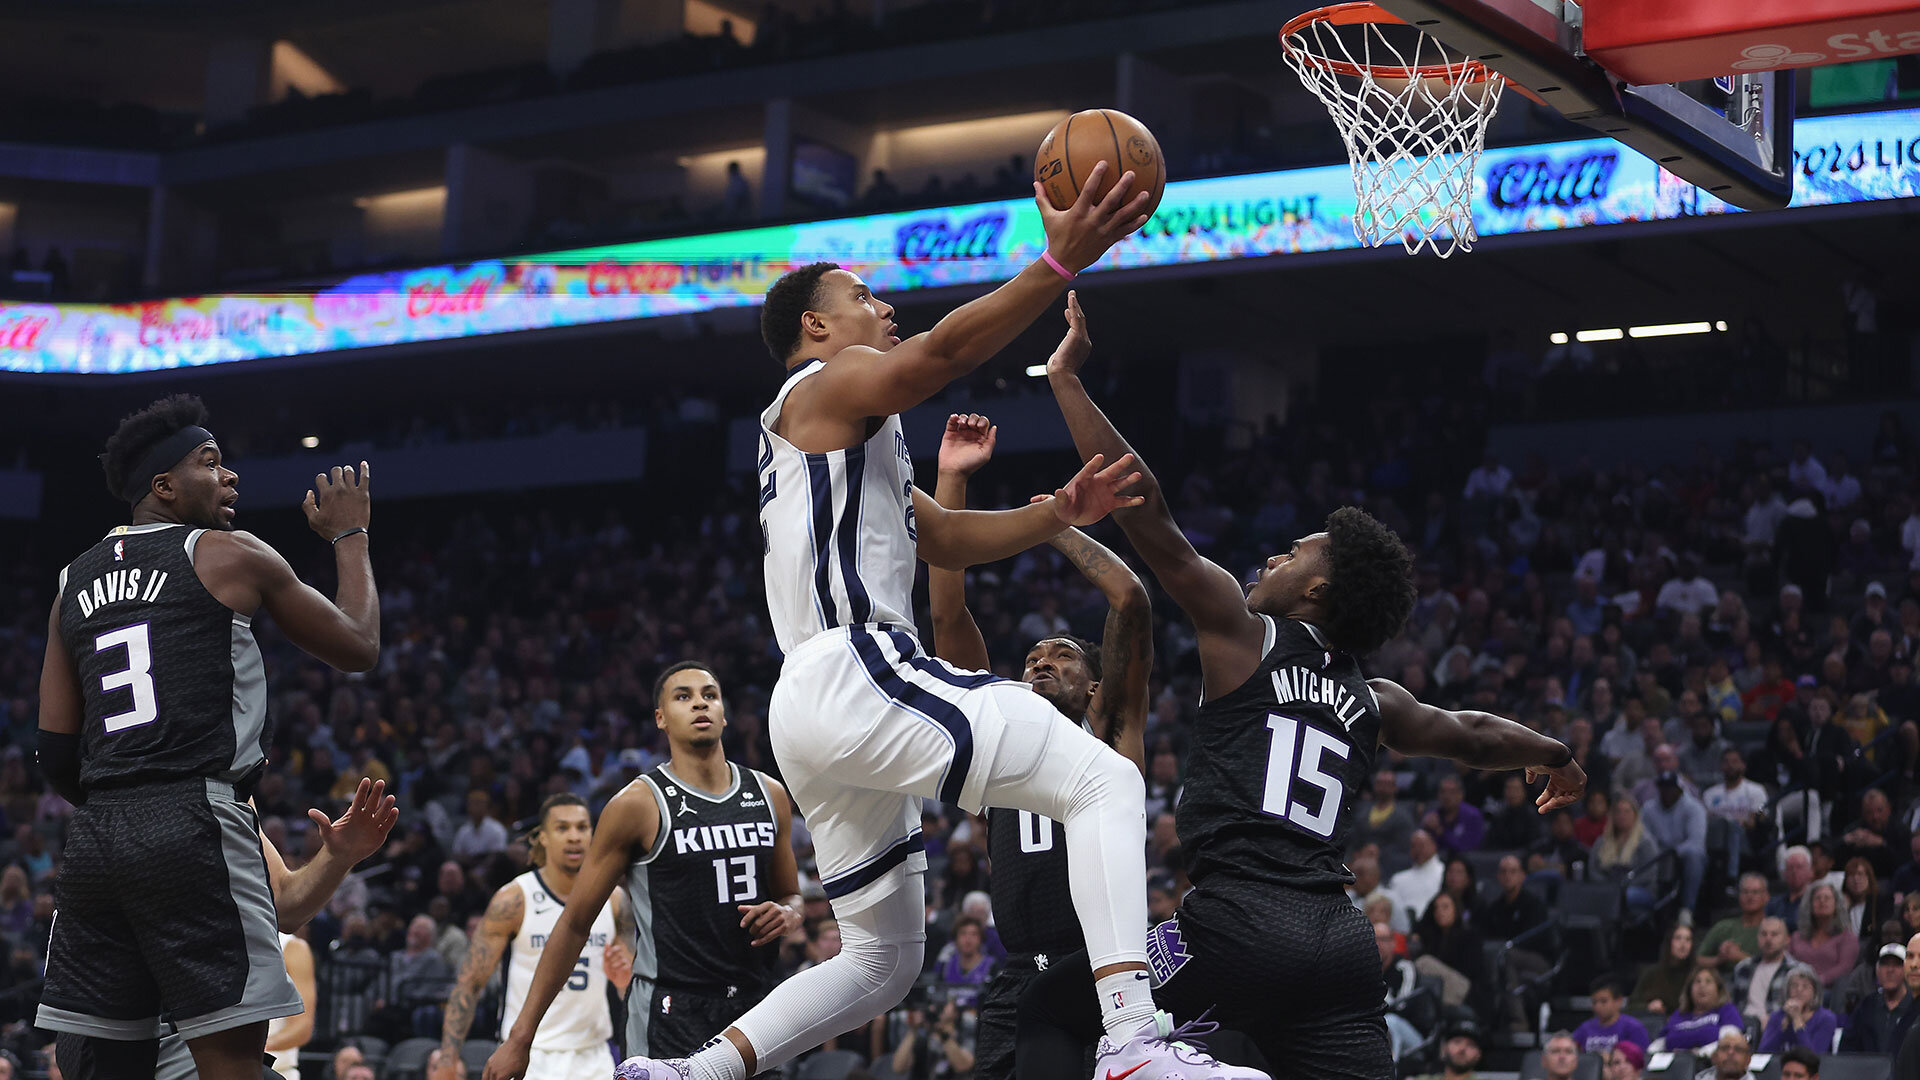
[1597, 1039]
[1466, 832]
[1689, 1031]
[1816, 1035]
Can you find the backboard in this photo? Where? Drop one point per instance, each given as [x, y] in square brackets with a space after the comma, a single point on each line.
[1734, 140]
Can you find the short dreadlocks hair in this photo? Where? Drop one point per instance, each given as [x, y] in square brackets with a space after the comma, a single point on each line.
[142, 431]
[1087, 651]
[1369, 582]
[793, 295]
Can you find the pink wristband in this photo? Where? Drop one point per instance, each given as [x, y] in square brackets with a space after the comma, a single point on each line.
[1047, 257]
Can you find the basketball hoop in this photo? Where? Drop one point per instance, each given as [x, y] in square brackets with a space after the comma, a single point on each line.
[1413, 114]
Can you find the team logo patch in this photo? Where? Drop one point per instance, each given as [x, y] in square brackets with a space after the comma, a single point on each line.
[685, 808]
[666, 1004]
[1166, 951]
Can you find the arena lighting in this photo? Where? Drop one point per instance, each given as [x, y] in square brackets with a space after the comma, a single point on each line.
[1613, 334]
[1036, 371]
[1721, 326]
[310, 441]
[1557, 337]
[1667, 329]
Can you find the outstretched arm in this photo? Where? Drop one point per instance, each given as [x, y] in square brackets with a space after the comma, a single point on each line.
[957, 539]
[863, 382]
[1230, 635]
[1478, 740]
[245, 574]
[967, 445]
[1119, 715]
[628, 824]
[298, 895]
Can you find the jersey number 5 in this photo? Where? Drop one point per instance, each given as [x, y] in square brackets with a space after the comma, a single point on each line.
[136, 676]
[1298, 753]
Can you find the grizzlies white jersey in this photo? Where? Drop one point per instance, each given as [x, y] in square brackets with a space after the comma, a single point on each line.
[838, 527]
[579, 1018]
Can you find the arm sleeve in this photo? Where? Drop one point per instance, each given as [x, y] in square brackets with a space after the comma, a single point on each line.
[59, 755]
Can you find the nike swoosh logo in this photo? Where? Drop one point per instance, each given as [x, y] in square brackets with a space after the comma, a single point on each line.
[1111, 1075]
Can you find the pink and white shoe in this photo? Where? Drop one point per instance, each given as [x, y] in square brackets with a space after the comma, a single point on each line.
[1157, 1052]
[640, 1068]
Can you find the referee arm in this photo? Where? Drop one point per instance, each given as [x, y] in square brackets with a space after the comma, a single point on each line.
[1478, 740]
[628, 824]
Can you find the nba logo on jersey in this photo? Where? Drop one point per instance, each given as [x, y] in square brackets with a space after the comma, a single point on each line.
[119, 551]
[666, 1004]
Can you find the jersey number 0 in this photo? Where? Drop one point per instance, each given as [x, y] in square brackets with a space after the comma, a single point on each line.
[1298, 754]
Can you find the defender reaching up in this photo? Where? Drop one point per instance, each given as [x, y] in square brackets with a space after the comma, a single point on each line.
[1286, 736]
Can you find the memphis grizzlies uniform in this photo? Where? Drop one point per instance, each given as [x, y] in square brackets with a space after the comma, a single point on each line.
[174, 731]
[572, 1040]
[695, 971]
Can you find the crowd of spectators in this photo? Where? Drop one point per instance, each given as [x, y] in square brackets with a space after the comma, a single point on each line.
[1726, 643]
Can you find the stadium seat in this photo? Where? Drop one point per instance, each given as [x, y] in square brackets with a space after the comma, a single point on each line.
[409, 1059]
[830, 1065]
[1855, 1067]
[1683, 1066]
[475, 1053]
[1590, 912]
[1588, 1069]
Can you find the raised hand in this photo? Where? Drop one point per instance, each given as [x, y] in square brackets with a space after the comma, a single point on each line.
[364, 827]
[339, 501]
[1080, 234]
[1072, 351]
[1094, 492]
[967, 443]
[1565, 785]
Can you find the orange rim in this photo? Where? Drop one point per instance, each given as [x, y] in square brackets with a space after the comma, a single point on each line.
[1359, 13]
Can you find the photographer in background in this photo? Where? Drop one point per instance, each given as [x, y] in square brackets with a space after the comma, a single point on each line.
[938, 1040]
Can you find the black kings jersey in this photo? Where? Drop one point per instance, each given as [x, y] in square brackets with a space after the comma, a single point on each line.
[1032, 903]
[713, 853]
[1275, 766]
[172, 681]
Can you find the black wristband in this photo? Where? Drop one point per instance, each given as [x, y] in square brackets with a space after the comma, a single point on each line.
[350, 532]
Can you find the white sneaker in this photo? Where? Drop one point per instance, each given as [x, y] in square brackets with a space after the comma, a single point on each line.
[1157, 1052]
[640, 1068]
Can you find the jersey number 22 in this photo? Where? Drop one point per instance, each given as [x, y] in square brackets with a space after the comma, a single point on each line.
[1298, 756]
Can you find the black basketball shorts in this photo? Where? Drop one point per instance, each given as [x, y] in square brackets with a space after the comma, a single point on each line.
[993, 1048]
[164, 915]
[665, 1022]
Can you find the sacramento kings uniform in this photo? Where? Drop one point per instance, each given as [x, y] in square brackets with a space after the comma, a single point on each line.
[1033, 914]
[1268, 937]
[164, 908]
[571, 1042]
[695, 971]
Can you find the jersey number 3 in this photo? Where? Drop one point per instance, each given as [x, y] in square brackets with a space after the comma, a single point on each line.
[1298, 755]
[136, 676]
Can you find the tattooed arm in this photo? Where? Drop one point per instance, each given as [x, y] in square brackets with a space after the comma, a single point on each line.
[497, 928]
[1119, 713]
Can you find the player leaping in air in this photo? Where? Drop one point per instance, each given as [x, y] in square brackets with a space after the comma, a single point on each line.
[1286, 736]
[863, 722]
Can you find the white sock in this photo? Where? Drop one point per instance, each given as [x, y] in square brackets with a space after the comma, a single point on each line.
[1126, 1003]
[719, 1059]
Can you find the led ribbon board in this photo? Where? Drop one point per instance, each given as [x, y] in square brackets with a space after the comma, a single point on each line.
[1563, 185]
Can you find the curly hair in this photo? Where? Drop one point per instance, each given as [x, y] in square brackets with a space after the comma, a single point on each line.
[793, 295]
[141, 431]
[1370, 582]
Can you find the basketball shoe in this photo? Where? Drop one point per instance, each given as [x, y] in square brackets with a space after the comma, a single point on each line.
[1157, 1052]
[640, 1068]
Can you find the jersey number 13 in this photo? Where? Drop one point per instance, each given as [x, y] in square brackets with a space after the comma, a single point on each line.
[1298, 757]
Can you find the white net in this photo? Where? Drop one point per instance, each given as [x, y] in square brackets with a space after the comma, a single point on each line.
[1414, 116]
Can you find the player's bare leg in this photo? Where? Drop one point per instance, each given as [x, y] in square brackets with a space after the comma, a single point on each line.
[233, 1054]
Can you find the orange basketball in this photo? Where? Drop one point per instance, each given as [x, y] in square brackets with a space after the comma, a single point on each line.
[1070, 151]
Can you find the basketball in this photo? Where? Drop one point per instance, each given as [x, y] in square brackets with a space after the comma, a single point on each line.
[1070, 151]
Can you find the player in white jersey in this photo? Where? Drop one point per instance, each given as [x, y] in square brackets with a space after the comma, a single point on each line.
[863, 722]
[572, 1041]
